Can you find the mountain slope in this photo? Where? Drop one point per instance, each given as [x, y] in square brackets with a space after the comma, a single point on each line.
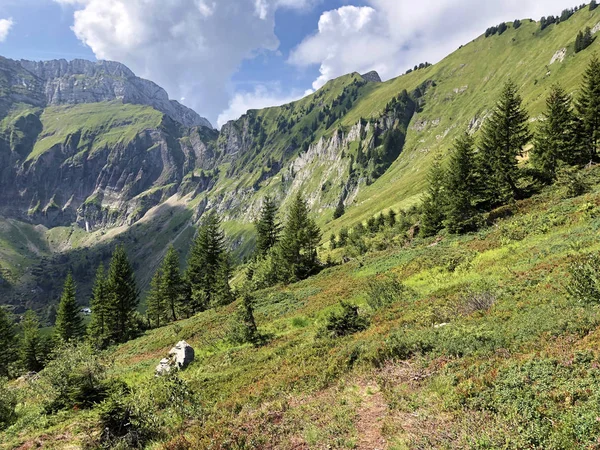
[365, 143]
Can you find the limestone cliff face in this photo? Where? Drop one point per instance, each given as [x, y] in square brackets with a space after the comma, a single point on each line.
[80, 81]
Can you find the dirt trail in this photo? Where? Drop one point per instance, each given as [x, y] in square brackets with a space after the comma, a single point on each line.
[371, 415]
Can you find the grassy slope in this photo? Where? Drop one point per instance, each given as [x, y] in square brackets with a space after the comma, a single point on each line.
[533, 353]
[100, 124]
[482, 66]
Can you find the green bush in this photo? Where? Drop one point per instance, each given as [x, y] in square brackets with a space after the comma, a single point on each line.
[382, 292]
[584, 284]
[74, 378]
[572, 182]
[131, 418]
[8, 403]
[348, 321]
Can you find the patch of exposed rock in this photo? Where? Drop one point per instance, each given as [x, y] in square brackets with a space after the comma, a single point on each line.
[559, 56]
[372, 76]
[179, 358]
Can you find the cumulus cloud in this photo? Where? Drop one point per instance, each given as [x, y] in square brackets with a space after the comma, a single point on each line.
[189, 47]
[5, 26]
[392, 35]
[261, 97]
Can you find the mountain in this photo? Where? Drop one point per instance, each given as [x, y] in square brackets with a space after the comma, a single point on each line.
[122, 169]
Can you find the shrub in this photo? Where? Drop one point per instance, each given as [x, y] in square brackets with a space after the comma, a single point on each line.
[74, 378]
[475, 300]
[346, 322]
[572, 182]
[385, 291]
[8, 403]
[584, 284]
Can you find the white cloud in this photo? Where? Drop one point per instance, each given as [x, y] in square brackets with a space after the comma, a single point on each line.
[392, 35]
[5, 26]
[261, 97]
[189, 47]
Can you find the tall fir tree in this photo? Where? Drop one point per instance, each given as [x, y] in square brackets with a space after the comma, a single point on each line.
[556, 139]
[8, 343]
[505, 134]
[267, 227]
[299, 242]
[69, 324]
[432, 208]
[208, 266]
[588, 107]
[245, 328]
[31, 346]
[461, 186]
[123, 297]
[155, 304]
[171, 284]
[100, 304]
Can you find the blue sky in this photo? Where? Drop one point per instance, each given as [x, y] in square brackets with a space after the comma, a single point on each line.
[222, 57]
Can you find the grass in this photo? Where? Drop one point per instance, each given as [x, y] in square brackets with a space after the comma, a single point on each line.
[439, 366]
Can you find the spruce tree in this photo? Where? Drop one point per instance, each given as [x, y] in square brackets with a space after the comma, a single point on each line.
[171, 283]
[208, 266]
[8, 343]
[98, 330]
[432, 208]
[31, 347]
[555, 140]
[69, 324]
[588, 107]
[268, 228]
[123, 297]
[299, 242]
[390, 219]
[339, 210]
[245, 329]
[593, 5]
[505, 134]
[461, 186]
[155, 305]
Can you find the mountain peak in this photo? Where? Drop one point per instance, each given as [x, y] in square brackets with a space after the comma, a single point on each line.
[81, 81]
[372, 76]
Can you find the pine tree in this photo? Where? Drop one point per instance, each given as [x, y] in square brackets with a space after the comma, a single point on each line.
[593, 5]
[339, 210]
[505, 134]
[267, 227]
[8, 343]
[555, 140]
[98, 330]
[588, 107]
[155, 305]
[432, 208]
[208, 266]
[391, 218]
[579, 42]
[245, 329]
[461, 186]
[299, 242]
[123, 297]
[171, 283]
[69, 324]
[31, 347]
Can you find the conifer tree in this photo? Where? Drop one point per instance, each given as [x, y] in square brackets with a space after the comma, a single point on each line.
[69, 324]
[171, 283]
[461, 186]
[245, 329]
[299, 242]
[390, 219]
[123, 297]
[267, 227]
[155, 305]
[208, 268]
[8, 343]
[432, 208]
[593, 5]
[505, 134]
[339, 210]
[31, 347]
[555, 140]
[588, 107]
[100, 305]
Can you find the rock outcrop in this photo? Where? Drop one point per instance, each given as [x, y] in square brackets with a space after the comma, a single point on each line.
[179, 358]
[372, 76]
[81, 81]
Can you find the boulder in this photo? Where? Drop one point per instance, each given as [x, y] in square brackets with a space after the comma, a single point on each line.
[179, 358]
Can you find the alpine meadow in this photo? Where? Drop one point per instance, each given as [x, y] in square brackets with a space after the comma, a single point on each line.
[402, 264]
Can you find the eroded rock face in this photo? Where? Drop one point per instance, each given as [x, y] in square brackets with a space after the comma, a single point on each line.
[179, 358]
[372, 76]
[81, 81]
